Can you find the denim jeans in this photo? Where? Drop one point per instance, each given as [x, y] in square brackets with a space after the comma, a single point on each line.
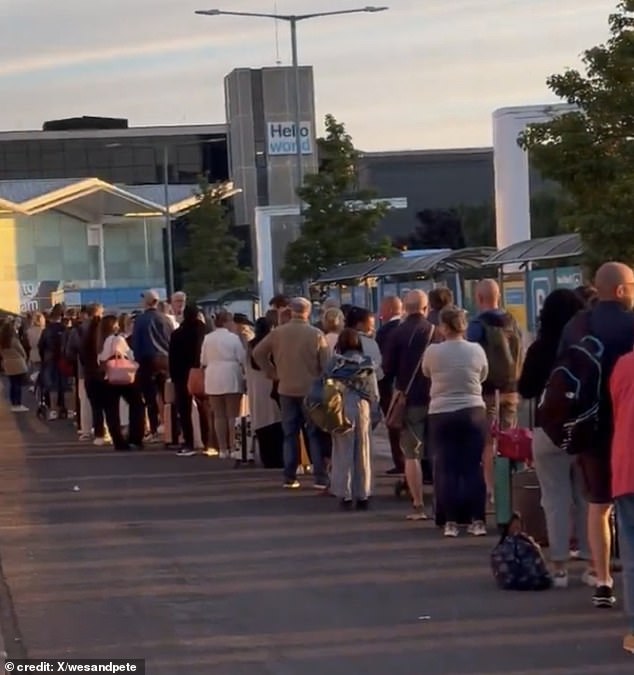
[293, 419]
[563, 502]
[625, 521]
[54, 383]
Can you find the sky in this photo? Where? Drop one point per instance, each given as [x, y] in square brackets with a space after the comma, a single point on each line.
[425, 74]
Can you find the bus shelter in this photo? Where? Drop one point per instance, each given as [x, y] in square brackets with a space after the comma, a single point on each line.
[529, 270]
[365, 283]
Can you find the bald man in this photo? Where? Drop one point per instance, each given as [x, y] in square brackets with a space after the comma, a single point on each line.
[390, 313]
[497, 332]
[402, 364]
[612, 322]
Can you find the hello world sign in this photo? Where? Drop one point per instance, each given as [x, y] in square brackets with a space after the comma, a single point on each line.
[282, 138]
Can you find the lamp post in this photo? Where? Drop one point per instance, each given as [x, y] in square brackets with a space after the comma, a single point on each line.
[166, 203]
[293, 20]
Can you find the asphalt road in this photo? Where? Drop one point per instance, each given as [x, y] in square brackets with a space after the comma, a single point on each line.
[200, 568]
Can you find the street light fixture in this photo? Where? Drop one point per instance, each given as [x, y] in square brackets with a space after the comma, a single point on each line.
[166, 178]
[293, 20]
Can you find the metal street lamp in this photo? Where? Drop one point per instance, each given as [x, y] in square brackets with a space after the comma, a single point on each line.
[166, 178]
[293, 20]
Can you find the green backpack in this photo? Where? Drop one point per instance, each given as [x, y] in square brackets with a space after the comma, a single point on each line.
[503, 347]
[324, 406]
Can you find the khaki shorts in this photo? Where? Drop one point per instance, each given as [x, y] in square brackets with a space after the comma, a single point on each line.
[509, 403]
[413, 435]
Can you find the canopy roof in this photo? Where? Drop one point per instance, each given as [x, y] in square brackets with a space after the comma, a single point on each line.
[92, 199]
[432, 262]
[349, 271]
[436, 262]
[534, 250]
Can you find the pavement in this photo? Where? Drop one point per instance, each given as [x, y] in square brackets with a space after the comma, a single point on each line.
[203, 569]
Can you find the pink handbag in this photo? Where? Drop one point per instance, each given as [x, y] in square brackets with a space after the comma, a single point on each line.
[121, 372]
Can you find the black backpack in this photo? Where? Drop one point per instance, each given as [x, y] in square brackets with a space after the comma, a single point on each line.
[569, 406]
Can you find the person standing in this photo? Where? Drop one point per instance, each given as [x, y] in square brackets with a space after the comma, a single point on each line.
[439, 298]
[222, 357]
[402, 363]
[150, 345]
[559, 476]
[332, 324]
[50, 349]
[326, 305]
[93, 375]
[266, 419]
[497, 332]
[457, 423]
[33, 335]
[178, 303]
[611, 321]
[73, 355]
[300, 354]
[351, 475]
[13, 357]
[622, 464]
[391, 314]
[184, 355]
[114, 346]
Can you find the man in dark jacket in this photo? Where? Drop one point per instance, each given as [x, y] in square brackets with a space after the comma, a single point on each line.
[50, 348]
[184, 355]
[402, 363]
[150, 344]
[390, 314]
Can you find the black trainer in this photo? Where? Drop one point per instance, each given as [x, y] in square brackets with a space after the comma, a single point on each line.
[603, 597]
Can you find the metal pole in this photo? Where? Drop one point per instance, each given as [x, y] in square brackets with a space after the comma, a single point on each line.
[297, 107]
[168, 223]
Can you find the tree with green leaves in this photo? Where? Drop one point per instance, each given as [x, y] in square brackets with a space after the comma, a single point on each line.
[210, 259]
[340, 219]
[589, 150]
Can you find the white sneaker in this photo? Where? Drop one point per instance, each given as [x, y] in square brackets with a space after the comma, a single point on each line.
[589, 578]
[477, 529]
[451, 530]
[19, 409]
[211, 452]
[52, 415]
[99, 442]
[560, 579]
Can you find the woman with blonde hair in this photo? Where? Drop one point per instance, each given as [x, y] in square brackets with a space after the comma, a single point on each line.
[457, 423]
[33, 335]
[222, 357]
[333, 322]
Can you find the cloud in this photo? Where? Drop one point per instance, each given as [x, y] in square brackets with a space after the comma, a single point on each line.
[424, 74]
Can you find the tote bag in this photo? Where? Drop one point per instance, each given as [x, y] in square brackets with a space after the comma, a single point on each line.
[120, 371]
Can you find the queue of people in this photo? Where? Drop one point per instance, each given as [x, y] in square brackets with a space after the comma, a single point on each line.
[438, 381]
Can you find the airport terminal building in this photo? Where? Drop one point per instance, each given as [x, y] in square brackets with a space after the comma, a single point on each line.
[254, 148]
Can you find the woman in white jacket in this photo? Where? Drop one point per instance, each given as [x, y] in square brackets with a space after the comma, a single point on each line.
[223, 356]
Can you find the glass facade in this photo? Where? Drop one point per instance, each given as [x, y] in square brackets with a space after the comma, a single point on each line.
[131, 160]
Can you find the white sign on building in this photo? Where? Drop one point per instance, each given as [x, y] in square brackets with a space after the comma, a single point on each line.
[281, 139]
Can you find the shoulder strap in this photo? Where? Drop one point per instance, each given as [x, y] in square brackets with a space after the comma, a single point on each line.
[420, 360]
